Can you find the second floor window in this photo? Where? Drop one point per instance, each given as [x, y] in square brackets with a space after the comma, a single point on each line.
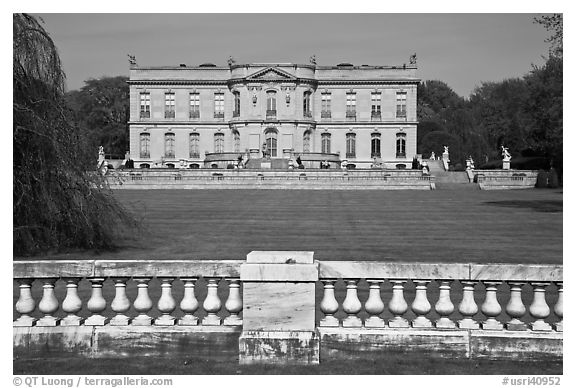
[307, 108]
[169, 145]
[376, 103]
[144, 145]
[218, 142]
[326, 105]
[375, 146]
[169, 106]
[236, 104]
[401, 104]
[350, 145]
[194, 105]
[325, 143]
[144, 105]
[350, 104]
[194, 145]
[219, 105]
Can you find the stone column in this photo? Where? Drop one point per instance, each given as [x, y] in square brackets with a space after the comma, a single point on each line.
[279, 309]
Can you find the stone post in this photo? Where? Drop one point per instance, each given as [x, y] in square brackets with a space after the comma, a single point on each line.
[279, 309]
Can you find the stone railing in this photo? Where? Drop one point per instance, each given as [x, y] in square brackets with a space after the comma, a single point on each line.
[505, 179]
[302, 309]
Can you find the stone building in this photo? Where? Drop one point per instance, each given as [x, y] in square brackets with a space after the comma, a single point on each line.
[207, 116]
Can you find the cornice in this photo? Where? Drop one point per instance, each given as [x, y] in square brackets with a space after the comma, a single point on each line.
[245, 80]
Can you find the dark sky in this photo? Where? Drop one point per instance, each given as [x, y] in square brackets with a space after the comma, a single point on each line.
[460, 49]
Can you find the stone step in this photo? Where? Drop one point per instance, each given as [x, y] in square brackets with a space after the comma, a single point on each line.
[456, 186]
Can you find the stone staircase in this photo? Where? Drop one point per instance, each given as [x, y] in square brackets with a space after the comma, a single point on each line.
[450, 180]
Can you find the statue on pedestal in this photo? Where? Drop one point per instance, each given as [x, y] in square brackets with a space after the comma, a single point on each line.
[505, 154]
[432, 156]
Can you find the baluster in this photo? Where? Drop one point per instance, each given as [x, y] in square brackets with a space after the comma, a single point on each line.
[329, 305]
[189, 303]
[374, 305]
[421, 306]
[120, 304]
[96, 304]
[352, 305]
[444, 307]
[212, 304]
[515, 307]
[166, 304]
[48, 304]
[558, 308]
[72, 304]
[233, 303]
[25, 304]
[143, 303]
[539, 308]
[491, 307]
[468, 307]
[398, 305]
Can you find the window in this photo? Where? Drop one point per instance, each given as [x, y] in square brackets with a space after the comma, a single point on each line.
[169, 145]
[169, 106]
[306, 142]
[272, 141]
[194, 145]
[376, 105]
[236, 104]
[144, 105]
[270, 104]
[375, 146]
[326, 105]
[325, 143]
[218, 105]
[307, 112]
[194, 105]
[350, 145]
[400, 145]
[401, 104]
[218, 143]
[144, 145]
[236, 136]
[350, 104]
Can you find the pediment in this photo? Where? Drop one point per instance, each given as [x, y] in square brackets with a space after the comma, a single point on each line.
[271, 73]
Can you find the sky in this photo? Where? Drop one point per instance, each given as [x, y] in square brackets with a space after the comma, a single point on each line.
[462, 50]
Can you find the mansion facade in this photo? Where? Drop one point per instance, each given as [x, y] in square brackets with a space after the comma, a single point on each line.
[210, 116]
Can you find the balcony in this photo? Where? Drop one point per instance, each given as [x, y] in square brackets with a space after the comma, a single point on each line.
[169, 114]
[194, 155]
[270, 114]
[350, 155]
[401, 113]
[326, 114]
[308, 114]
[169, 155]
[219, 115]
[375, 155]
[236, 113]
[351, 115]
[145, 155]
[144, 114]
[401, 155]
[194, 114]
[376, 115]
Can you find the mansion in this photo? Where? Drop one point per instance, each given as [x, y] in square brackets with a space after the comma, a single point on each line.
[266, 115]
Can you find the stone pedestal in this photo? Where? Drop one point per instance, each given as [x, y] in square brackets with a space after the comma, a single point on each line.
[506, 165]
[279, 309]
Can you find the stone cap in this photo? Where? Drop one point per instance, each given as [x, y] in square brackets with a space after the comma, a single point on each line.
[280, 257]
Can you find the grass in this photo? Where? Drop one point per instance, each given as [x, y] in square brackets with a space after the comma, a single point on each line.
[392, 365]
[515, 226]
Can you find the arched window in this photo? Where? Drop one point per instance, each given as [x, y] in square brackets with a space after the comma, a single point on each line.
[194, 166]
[218, 142]
[400, 145]
[375, 146]
[194, 145]
[236, 136]
[145, 145]
[272, 141]
[350, 145]
[306, 142]
[325, 143]
[169, 145]
[271, 103]
[144, 165]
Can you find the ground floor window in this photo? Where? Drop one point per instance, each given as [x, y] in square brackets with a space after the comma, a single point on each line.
[306, 142]
[169, 140]
[400, 145]
[218, 143]
[375, 146]
[272, 142]
[145, 145]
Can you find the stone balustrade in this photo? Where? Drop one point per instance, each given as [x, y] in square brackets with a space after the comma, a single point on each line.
[284, 300]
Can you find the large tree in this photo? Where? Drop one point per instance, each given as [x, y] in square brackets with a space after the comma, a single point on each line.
[101, 107]
[60, 201]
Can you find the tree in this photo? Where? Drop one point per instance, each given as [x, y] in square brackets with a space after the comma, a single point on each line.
[59, 198]
[554, 23]
[101, 107]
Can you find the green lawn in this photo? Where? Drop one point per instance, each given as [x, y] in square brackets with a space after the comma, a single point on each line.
[517, 226]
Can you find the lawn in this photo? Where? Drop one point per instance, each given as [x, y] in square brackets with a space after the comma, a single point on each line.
[515, 226]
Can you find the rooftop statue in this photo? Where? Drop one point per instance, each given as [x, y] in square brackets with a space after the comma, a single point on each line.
[132, 60]
[413, 59]
[313, 59]
[231, 61]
